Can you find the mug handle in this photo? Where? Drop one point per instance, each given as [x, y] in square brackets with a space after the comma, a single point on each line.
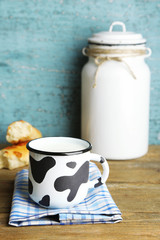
[98, 182]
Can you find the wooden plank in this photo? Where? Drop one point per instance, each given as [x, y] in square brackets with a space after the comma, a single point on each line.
[9, 175]
[120, 171]
[122, 231]
[136, 197]
[152, 155]
[134, 185]
[134, 172]
[128, 197]
[6, 194]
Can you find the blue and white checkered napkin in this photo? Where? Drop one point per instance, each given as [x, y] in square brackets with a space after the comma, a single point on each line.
[97, 207]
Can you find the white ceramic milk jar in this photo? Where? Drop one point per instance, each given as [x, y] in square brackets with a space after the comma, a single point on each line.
[115, 94]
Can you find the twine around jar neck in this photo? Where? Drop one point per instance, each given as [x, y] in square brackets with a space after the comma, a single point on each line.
[99, 55]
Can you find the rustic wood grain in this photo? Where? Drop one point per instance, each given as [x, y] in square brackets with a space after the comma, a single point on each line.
[135, 187]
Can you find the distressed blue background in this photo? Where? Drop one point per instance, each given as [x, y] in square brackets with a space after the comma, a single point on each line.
[41, 60]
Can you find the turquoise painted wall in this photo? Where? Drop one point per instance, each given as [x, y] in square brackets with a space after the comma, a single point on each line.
[41, 60]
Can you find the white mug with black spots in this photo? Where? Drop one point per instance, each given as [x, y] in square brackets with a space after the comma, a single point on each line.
[59, 171]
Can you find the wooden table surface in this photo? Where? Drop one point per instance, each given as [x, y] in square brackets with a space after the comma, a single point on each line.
[133, 184]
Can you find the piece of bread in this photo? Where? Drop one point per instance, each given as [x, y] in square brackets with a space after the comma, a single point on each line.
[21, 131]
[14, 156]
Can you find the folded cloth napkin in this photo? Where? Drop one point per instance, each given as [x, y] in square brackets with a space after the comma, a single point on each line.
[97, 207]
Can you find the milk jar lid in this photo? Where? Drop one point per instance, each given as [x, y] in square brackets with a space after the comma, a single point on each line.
[115, 38]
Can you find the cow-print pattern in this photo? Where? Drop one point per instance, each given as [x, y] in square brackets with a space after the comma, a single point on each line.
[30, 186]
[73, 182]
[45, 201]
[99, 182]
[40, 168]
[102, 160]
[71, 164]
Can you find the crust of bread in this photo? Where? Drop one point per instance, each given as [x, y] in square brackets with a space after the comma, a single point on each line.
[21, 131]
[14, 156]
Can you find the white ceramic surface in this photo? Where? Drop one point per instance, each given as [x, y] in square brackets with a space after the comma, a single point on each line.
[59, 170]
[115, 113]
